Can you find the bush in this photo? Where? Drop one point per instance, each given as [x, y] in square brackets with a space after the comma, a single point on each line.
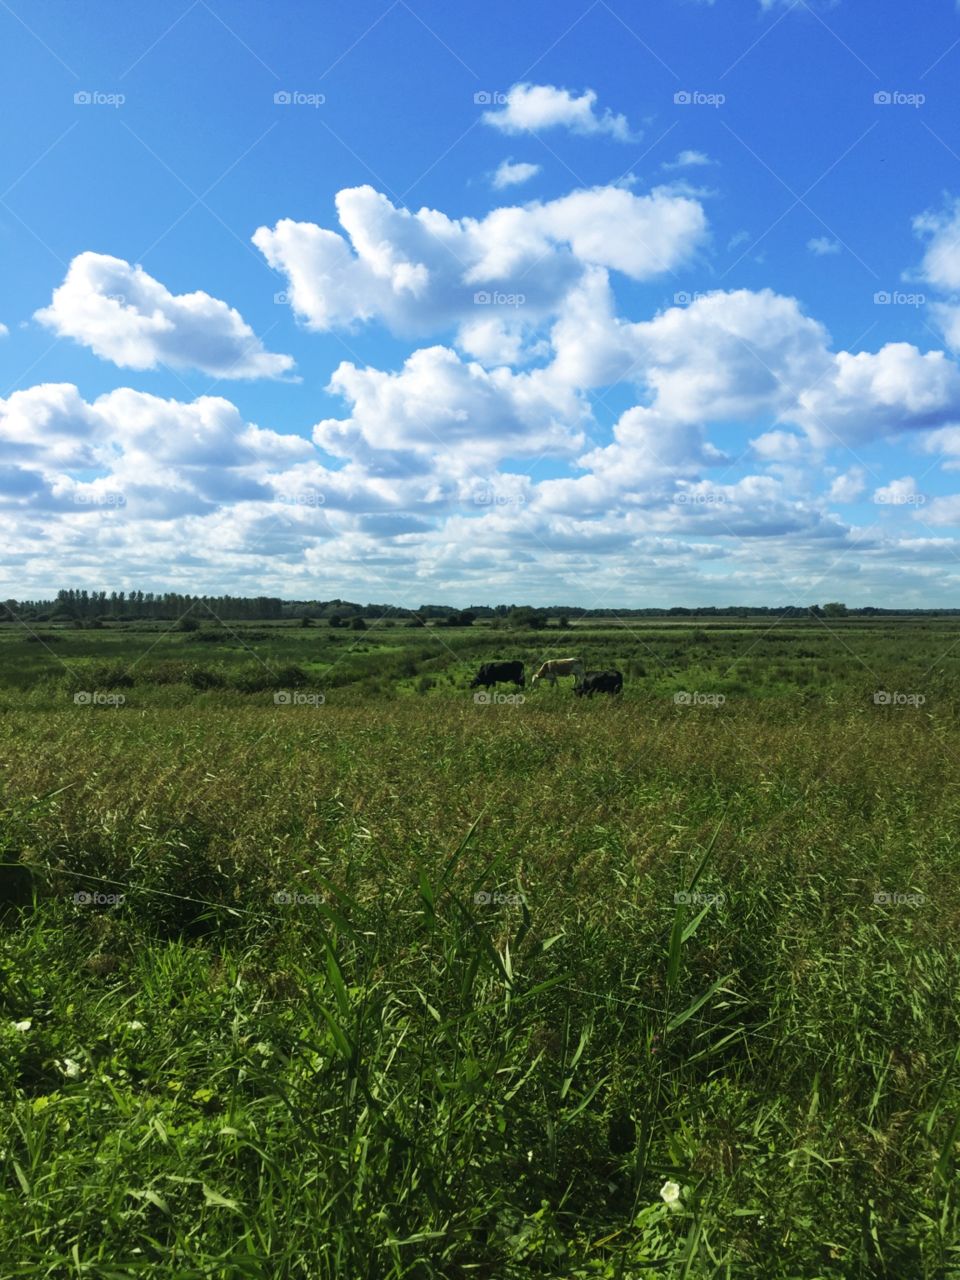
[357, 624]
[188, 624]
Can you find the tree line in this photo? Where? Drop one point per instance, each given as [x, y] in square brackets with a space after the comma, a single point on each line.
[80, 605]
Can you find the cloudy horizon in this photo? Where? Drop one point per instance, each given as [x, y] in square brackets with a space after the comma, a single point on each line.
[670, 317]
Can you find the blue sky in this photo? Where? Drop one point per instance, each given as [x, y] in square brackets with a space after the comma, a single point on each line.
[409, 301]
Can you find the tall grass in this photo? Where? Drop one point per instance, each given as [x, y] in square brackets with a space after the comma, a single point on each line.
[424, 988]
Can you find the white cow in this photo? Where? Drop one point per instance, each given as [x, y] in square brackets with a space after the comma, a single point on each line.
[558, 667]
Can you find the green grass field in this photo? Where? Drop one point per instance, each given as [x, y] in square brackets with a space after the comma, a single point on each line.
[313, 966]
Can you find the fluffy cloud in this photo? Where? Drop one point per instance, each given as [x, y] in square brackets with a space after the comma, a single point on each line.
[424, 273]
[849, 486]
[123, 314]
[531, 107]
[823, 246]
[941, 261]
[163, 456]
[431, 475]
[873, 395]
[453, 413]
[898, 492]
[510, 173]
[688, 160]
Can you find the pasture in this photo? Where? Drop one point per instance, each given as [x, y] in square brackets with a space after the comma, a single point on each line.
[317, 963]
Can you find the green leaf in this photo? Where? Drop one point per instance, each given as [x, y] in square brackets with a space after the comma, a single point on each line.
[679, 1019]
[218, 1201]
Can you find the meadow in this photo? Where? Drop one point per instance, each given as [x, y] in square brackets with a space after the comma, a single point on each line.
[313, 965]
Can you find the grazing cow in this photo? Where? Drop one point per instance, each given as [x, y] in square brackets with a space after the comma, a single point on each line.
[558, 667]
[495, 672]
[599, 682]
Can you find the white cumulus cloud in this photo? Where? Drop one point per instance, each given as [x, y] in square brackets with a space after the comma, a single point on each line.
[124, 315]
[510, 173]
[532, 107]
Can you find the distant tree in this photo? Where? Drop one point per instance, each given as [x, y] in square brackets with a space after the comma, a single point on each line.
[305, 621]
[525, 616]
[834, 610]
[563, 621]
[188, 624]
[335, 620]
[357, 624]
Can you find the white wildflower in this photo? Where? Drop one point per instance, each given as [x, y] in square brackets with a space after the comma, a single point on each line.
[670, 1193]
[24, 1025]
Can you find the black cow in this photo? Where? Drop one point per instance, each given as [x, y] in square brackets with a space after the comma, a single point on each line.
[495, 672]
[600, 682]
